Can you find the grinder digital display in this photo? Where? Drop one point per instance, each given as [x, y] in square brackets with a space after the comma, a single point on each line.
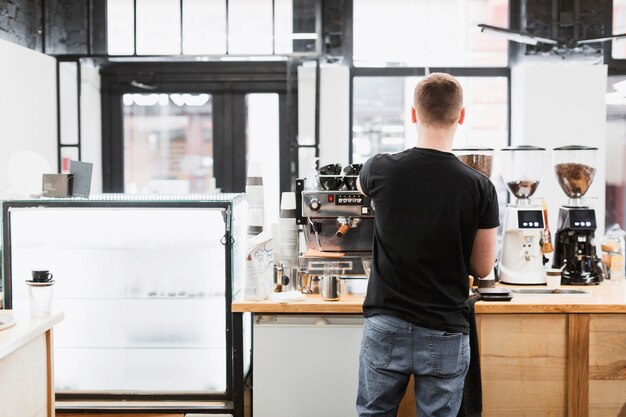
[530, 219]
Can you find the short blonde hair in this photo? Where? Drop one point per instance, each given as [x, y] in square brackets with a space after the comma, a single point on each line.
[438, 99]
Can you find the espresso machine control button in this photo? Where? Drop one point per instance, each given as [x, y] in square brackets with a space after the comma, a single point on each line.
[315, 204]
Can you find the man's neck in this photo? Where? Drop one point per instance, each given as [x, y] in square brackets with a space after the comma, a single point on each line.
[434, 138]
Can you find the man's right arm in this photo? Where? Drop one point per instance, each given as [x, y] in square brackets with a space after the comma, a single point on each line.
[483, 255]
[363, 182]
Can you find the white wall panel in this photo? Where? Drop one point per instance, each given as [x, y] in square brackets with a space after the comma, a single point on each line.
[28, 123]
[91, 123]
[334, 114]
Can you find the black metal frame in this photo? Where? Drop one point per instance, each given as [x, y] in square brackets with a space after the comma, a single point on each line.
[233, 396]
[228, 83]
[60, 144]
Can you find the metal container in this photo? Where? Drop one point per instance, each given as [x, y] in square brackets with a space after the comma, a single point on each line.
[290, 279]
[330, 288]
[278, 278]
[331, 284]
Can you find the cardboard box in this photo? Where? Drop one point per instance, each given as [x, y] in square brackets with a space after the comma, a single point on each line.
[57, 185]
[81, 182]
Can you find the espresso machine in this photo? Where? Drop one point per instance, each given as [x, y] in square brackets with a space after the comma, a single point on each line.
[521, 257]
[337, 224]
[575, 250]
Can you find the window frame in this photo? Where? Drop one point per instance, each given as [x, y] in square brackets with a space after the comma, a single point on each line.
[505, 71]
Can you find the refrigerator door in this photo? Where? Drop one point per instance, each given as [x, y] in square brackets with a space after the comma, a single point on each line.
[306, 365]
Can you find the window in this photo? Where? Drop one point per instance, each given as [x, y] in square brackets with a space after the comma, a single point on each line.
[398, 41]
[158, 27]
[204, 27]
[69, 114]
[250, 27]
[428, 33]
[382, 122]
[120, 31]
[619, 26]
[211, 27]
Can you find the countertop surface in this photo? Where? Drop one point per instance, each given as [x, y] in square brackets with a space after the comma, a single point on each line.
[607, 297]
[26, 328]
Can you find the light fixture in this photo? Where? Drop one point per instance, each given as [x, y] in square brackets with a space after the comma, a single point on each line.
[142, 85]
[303, 36]
[602, 39]
[189, 99]
[516, 36]
[145, 99]
[522, 37]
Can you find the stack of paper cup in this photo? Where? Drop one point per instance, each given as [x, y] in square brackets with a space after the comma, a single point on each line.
[254, 192]
[288, 231]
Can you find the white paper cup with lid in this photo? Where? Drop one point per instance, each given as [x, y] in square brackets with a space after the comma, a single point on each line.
[553, 278]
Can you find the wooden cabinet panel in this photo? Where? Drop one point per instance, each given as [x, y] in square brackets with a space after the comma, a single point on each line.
[524, 364]
[523, 335]
[24, 381]
[607, 365]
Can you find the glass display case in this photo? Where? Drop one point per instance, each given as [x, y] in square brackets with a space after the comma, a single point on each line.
[145, 282]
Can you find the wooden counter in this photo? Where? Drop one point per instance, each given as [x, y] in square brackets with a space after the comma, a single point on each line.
[26, 366]
[605, 298]
[556, 355]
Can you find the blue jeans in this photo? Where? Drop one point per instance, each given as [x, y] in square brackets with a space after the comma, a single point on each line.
[393, 349]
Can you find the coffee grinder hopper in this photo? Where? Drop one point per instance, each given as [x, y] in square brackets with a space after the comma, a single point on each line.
[522, 169]
[575, 169]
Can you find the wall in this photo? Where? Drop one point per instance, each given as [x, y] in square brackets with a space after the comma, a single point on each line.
[21, 22]
[334, 114]
[556, 105]
[28, 135]
[91, 122]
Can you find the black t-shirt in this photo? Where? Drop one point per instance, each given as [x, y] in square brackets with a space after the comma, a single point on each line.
[428, 206]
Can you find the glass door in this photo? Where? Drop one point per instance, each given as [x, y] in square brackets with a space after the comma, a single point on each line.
[181, 127]
[168, 143]
[172, 141]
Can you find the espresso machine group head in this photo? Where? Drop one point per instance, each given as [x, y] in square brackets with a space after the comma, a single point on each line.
[521, 256]
[575, 250]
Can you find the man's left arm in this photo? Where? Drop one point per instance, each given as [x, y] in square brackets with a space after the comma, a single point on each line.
[358, 185]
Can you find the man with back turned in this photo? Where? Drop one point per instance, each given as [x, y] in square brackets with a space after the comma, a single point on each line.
[435, 224]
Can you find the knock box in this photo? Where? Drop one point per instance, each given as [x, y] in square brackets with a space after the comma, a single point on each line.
[57, 185]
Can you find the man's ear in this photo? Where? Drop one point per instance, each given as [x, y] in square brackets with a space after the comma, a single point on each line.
[413, 115]
[462, 116]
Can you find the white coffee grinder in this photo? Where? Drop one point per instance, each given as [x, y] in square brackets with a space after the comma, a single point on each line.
[521, 256]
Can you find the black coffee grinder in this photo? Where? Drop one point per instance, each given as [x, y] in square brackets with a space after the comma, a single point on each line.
[575, 250]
